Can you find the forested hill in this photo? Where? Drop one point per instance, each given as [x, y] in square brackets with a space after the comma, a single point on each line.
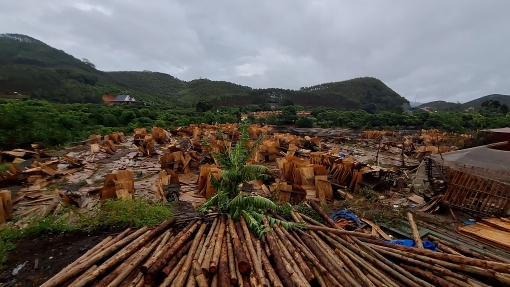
[36, 70]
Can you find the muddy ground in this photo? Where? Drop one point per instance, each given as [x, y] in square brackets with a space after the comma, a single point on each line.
[46, 255]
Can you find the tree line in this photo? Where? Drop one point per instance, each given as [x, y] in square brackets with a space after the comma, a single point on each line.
[35, 121]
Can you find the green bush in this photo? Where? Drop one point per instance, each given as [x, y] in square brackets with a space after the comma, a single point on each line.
[304, 122]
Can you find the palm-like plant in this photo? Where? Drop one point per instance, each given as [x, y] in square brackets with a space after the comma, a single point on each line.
[229, 198]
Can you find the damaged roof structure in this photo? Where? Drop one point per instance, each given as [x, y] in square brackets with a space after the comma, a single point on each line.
[477, 179]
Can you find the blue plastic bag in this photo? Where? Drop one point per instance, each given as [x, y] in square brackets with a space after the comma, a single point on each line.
[410, 243]
[345, 214]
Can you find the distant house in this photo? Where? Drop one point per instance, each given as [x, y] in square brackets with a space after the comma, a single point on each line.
[122, 99]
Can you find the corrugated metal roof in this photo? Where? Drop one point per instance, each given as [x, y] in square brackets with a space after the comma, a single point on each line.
[122, 98]
[501, 130]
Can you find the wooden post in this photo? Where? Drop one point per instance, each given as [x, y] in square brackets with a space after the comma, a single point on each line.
[416, 233]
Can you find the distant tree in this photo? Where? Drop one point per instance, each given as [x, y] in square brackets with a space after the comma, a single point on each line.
[304, 122]
[109, 120]
[286, 102]
[503, 109]
[289, 115]
[370, 108]
[86, 61]
[203, 106]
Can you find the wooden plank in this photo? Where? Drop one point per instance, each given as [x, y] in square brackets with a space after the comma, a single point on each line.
[491, 236]
[497, 223]
[377, 228]
[324, 188]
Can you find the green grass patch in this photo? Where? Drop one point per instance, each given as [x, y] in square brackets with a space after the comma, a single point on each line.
[130, 213]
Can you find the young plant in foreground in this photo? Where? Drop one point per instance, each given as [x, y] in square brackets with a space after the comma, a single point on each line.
[229, 198]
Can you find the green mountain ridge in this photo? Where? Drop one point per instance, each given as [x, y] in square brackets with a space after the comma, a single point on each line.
[33, 68]
[475, 104]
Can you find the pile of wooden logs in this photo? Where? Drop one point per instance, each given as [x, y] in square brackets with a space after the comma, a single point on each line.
[216, 251]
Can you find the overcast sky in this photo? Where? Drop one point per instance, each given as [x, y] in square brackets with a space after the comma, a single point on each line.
[454, 50]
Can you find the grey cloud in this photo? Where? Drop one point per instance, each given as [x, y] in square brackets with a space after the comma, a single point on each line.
[438, 50]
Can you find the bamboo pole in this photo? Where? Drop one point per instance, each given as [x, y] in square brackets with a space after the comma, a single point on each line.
[320, 279]
[322, 257]
[416, 233]
[242, 262]
[490, 265]
[231, 261]
[208, 241]
[280, 265]
[159, 250]
[371, 270]
[359, 274]
[271, 274]
[397, 269]
[121, 272]
[436, 269]
[208, 253]
[192, 281]
[457, 247]
[108, 241]
[310, 277]
[428, 276]
[87, 262]
[162, 261]
[179, 281]
[223, 268]
[337, 262]
[306, 252]
[214, 281]
[175, 260]
[109, 263]
[90, 270]
[244, 246]
[105, 243]
[213, 265]
[295, 273]
[171, 276]
[465, 268]
[448, 249]
[199, 276]
[375, 281]
[321, 213]
[380, 264]
[128, 251]
[310, 220]
[135, 280]
[240, 282]
[199, 249]
[338, 231]
[254, 258]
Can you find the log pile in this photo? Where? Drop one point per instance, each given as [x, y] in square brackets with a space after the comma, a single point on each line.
[216, 251]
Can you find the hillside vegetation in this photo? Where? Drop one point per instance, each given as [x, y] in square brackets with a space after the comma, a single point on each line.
[32, 68]
[476, 103]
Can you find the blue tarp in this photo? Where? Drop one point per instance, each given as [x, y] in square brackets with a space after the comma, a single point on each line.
[410, 243]
[345, 214]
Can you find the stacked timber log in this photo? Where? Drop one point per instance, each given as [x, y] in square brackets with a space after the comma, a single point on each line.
[216, 251]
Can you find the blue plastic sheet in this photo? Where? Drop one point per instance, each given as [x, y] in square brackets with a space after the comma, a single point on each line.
[345, 214]
[410, 243]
